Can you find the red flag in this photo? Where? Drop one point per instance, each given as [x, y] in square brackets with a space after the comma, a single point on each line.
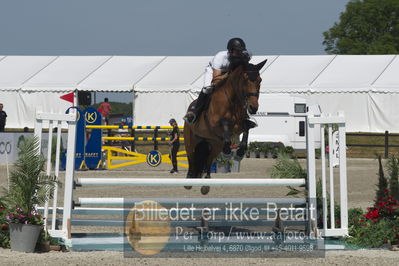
[68, 97]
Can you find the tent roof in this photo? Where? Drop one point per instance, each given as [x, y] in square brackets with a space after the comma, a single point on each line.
[64, 73]
[351, 72]
[389, 77]
[120, 73]
[323, 73]
[175, 73]
[293, 73]
[16, 70]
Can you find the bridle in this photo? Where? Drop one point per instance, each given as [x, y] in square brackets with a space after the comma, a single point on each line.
[243, 97]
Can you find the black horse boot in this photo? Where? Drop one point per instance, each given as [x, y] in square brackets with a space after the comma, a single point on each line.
[194, 113]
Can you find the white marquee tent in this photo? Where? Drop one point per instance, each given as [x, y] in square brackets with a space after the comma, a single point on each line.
[365, 87]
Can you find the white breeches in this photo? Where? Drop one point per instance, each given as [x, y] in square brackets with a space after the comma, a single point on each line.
[207, 79]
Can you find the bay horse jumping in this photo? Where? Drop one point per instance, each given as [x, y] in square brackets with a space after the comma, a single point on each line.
[224, 119]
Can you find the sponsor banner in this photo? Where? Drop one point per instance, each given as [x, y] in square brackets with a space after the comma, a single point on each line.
[9, 146]
[9, 143]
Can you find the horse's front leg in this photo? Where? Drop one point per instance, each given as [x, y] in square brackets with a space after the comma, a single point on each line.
[246, 126]
[227, 133]
[242, 148]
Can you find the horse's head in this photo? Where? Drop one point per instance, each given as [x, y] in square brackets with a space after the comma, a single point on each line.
[251, 85]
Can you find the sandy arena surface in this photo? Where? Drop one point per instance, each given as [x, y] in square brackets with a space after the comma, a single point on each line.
[362, 178]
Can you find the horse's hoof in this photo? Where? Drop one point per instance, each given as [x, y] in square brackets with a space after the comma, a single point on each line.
[188, 187]
[205, 190]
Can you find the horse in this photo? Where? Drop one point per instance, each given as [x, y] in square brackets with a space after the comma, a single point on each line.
[224, 118]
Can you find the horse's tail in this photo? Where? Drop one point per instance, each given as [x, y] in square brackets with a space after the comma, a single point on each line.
[202, 152]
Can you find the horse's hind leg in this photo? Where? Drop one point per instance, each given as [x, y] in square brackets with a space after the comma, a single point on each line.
[205, 189]
[190, 169]
[215, 151]
[189, 145]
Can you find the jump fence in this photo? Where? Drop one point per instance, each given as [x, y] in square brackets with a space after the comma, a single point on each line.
[74, 206]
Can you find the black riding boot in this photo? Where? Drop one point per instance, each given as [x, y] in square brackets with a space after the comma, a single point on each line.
[192, 115]
[248, 124]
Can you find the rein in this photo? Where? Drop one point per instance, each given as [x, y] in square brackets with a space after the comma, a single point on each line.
[238, 104]
[242, 98]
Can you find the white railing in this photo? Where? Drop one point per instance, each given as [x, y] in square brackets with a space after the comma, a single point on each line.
[49, 122]
[337, 157]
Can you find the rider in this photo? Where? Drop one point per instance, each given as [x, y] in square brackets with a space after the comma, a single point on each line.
[217, 67]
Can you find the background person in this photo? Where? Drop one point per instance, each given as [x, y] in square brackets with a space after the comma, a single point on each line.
[105, 110]
[175, 144]
[3, 118]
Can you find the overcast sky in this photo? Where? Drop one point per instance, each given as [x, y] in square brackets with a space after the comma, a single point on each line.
[164, 27]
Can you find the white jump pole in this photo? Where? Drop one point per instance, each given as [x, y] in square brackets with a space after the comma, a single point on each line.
[69, 175]
[196, 201]
[57, 171]
[189, 182]
[342, 175]
[48, 171]
[311, 177]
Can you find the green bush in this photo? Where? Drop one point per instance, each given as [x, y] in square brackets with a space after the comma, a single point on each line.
[382, 182]
[286, 167]
[223, 160]
[254, 146]
[353, 215]
[373, 234]
[289, 150]
[393, 171]
[380, 224]
[265, 147]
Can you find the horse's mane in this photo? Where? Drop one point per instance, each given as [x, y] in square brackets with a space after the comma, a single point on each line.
[232, 68]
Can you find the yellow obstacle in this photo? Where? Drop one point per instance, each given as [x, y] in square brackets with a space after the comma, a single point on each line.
[136, 158]
[127, 127]
[139, 138]
[132, 158]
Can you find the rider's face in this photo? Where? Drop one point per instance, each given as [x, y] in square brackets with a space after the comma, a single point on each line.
[235, 52]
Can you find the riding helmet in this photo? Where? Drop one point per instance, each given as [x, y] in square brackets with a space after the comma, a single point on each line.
[236, 44]
[172, 120]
